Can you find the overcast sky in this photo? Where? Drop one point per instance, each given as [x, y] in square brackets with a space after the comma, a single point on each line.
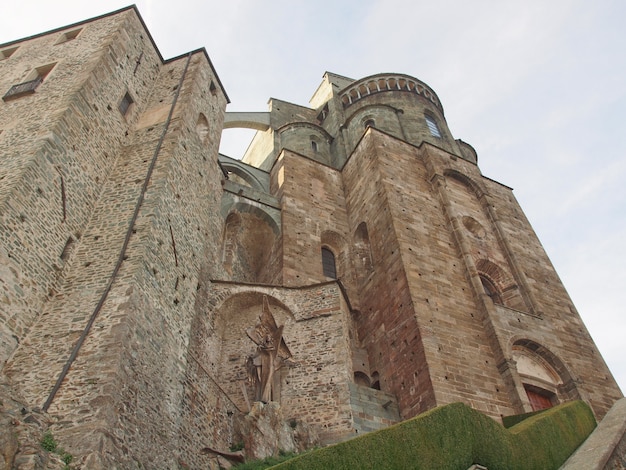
[537, 87]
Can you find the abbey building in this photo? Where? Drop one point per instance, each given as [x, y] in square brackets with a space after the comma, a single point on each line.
[353, 270]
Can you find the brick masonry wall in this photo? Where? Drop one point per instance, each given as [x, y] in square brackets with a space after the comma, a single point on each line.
[444, 300]
[309, 211]
[128, 375]
[372, 409]
[55, 155]
[314, 385]
[386, 322]
[160, 374]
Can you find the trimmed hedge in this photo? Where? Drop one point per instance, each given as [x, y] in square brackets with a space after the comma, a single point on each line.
[510, 421]
[455, 437]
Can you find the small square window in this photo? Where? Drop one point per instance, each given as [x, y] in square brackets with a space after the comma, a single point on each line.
[125, 104]
[68, 36]
[8, 52]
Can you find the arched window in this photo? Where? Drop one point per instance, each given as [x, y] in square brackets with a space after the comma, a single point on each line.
[491, 290]
[328, 263]
[432, 126]
[314, 146]
[369, 123]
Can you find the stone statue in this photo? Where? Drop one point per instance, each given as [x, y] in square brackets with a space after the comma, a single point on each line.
[270, 355]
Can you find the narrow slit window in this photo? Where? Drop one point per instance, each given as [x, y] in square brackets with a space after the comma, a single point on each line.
[314, 146]
[328, 263]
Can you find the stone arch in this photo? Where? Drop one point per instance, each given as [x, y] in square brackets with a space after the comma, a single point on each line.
[542, 372]
[259, 121]
[475, 187]
[243, 175]
[250, 245]
[243, 206]
[361, 378]
[505, 290]
[495, 274]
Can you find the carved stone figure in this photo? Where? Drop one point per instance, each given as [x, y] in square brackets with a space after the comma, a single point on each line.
[270, 355]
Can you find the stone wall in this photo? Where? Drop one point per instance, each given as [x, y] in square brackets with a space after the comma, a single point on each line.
[119, 228]
[386, 322]
[372, 409]
[58, 146]
[124, 392]
[314, 382]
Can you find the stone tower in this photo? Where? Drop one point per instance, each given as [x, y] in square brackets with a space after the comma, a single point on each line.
[355, 268]
[451, 295]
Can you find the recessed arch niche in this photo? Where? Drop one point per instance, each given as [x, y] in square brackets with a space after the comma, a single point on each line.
[545, 378]
[250, 245]
[239, 313]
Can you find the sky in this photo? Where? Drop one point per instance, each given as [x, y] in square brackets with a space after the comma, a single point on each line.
[538, 88]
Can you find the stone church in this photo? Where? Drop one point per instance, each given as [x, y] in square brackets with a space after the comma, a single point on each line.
[353, 270]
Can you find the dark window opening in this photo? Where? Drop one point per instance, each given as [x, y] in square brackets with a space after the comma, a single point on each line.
[322, 115]
[369, 123]
[375, 381]
[67, 249]
[491, 290]
[328, 263]
[361, 378]
[125, 104]
[314, 146]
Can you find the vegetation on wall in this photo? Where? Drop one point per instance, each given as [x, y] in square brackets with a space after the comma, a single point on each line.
[455, 437]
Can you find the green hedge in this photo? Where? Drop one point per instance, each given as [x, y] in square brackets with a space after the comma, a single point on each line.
[510, 421]
[455, 437]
